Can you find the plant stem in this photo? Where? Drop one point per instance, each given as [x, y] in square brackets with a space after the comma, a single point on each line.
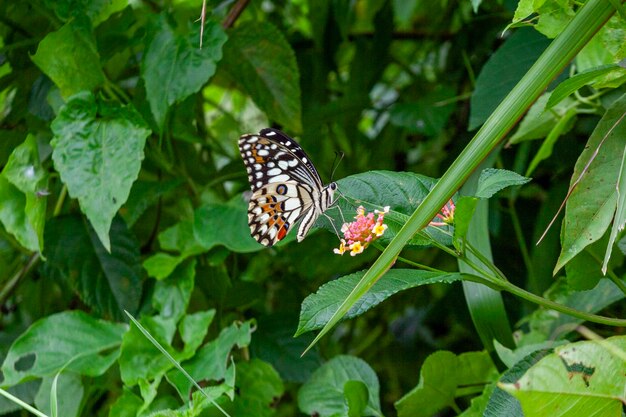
[21, 403]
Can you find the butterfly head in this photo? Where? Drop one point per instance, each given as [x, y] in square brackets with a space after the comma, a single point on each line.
[329, 195]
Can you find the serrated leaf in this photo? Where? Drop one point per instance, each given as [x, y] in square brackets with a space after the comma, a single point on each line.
[574, 83]
[108, 282]
[587, 377]
[319, 307]
[210, 362]
[261, 61]
[591, 205]
[24, 171]
[98, 149]
[70, 58]
[441, 375]
[323, 394]
[503, 70]
[174, 66]
[493, 180]
[86, 346]
[401, 191]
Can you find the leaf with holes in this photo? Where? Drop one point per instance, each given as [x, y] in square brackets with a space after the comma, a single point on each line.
[72, 340]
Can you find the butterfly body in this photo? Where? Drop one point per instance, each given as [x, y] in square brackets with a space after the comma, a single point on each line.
[286, 188]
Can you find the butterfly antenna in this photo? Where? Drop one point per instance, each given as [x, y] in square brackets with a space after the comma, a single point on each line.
[338, 157]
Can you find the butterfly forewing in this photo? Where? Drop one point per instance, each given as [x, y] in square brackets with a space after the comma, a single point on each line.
[286, 187]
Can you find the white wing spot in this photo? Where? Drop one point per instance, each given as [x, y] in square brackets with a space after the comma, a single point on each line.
[274, 171]
[259, 184]
[304, 160]
[293, 163]
[283, 165]
[274, 146]
[278, 178]
[271, 165]
[270, 134]
[263, 152]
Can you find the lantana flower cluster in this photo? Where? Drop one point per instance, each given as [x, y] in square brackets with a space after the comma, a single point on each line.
[360, 233]
[445, 216]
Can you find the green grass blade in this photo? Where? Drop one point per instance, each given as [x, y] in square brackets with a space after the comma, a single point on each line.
[174, 362]
[21, 403]
[589, 19]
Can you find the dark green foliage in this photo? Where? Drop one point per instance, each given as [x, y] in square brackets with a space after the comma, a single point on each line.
[122, 192]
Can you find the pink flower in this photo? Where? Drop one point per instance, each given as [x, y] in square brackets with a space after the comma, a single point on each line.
[446, 215]
[360, 233]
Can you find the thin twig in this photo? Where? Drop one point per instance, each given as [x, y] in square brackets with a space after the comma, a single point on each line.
[234, 13]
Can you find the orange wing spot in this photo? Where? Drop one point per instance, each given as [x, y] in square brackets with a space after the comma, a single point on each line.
[281, 233]
[259, 159]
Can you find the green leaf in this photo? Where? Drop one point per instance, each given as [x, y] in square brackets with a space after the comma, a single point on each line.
[503, 70]
[274, 343]
[620, 213]
[70, 58]
[574, 83]
[442, 374]
[585, 269]
[463, 214]
[97, 10]
[174, 66]
[259, 387]
[503, 404]
[224, 224]
[86, 346]
[108, 282]
[171, 296]
[401, 191]
[356, 395]
[539, 121]
[211, 361]
[319, 307]
[323, 394]
[139, 359]
[25, 392]
[512, 356]
[587, 377]
[144, 194]
[13, 215]
[24, 171]
[161, 265]
[494, 180]
[70, 394]
[98, 148]
[591, 205]
[261, 61]
[193, 328]
[427, 116]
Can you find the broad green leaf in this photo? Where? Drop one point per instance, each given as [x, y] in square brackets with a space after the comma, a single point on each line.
[401, 191]
[479, 403]
[503, 70]
[323, 395]
[171, 296]
[259, 387]
[98, 148]
[274, 343]
[319, 307]
[585, 269]
[85, 345]
[161, 265]
[539, 121]
[70, 392]
[107, 281]
[605, 48]
[261, 61]
[140, 360]
[356, 395]
[512, 356]
[574, 83]
[127, 404]
[503, 404]
[97, 10]
[224, 224]
[144, 194]
[70, 58]
[25, 391]
[442, 374]
[24, 171]
[584, 378]
[591, 206]
[193, 328]
[494, 180]
[211, 361]
[13, 215]
[620, 213]
[463, 214]
[174, 66]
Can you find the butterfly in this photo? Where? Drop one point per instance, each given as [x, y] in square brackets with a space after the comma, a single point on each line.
[286, 188]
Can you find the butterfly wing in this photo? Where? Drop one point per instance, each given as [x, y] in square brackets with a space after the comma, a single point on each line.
[286, 186]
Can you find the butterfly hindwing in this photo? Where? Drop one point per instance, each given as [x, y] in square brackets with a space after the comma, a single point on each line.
[286, 187]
